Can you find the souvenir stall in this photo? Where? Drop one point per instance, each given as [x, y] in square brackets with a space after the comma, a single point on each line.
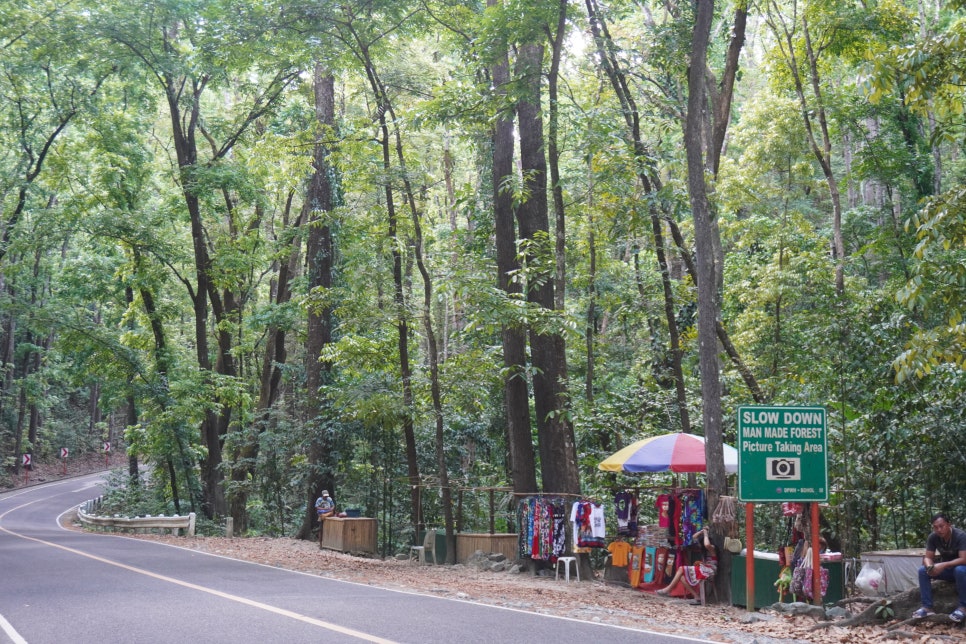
[784, 576]
[650, 553]
[496, 504]
[653, 552]
[544, 519]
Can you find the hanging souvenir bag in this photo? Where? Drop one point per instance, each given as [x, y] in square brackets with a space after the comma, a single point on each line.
[809, 576]
[792, 508]
[725, 513]
[798, 554]
[798, 568]
[732, 543]
[803, 576]
[725, 516]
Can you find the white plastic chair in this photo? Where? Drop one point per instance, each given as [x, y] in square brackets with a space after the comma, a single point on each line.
[566, 561]
[428, 547]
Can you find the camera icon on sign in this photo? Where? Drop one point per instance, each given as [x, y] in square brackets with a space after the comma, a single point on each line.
[783, 469]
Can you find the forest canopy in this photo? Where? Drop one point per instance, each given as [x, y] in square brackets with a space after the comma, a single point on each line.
[417, 252]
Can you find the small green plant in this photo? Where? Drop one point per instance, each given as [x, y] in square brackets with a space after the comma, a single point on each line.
[129, 498]
[885, 611]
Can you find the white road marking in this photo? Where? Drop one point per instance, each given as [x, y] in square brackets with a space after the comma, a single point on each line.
[11, 631]
[217, 593]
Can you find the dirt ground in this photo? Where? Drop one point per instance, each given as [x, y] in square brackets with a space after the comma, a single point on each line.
[589, 600]
[54, 470]
[594, 601]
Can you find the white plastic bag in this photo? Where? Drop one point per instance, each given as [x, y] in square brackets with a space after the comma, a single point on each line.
[869, 579]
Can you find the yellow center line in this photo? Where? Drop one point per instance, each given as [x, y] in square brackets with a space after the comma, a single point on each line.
[217, 593]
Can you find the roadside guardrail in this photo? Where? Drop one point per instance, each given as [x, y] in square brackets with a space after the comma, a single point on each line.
[87, 513]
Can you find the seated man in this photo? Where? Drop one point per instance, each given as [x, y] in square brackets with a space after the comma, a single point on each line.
[945, 559]
[325, 505]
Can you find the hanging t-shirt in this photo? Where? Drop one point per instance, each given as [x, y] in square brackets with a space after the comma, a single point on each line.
[625, 506]
[692, 515]
[663, 505]
[598, 527]
[542, 524]
[577, 520]
[525, 521]
[589, 527]
[634, 568]
[620, 553]
[559, 547]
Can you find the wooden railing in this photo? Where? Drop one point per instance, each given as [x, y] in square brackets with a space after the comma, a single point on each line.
[87, 513]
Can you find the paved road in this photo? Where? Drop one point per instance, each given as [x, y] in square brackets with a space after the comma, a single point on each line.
[61, 586]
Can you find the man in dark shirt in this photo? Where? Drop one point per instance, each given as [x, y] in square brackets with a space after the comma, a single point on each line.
[945, 559]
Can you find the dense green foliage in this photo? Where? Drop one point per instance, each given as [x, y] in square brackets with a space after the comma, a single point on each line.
[155, 164]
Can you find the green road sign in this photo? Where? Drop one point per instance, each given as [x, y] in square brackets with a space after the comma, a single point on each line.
[782, 454]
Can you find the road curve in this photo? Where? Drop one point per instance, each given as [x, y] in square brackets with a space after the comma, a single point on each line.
[60, 585]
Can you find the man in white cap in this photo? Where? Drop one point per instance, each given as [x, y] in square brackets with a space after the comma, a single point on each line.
[325, 505]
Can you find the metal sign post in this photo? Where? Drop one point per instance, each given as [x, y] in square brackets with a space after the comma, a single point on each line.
[64, 452]
[782, 456]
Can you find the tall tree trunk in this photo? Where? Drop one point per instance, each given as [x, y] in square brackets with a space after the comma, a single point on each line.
[386, 110]
[33, 425]
[651, 183]
[432, 350]
[274, 357]
[184, 126]
[814, 115]
[162, 359]
[523, 472]
[590, 327]
[556, 188]
[8, 331]
[704, 247]
[399, 286]
[720, 114]
[319, 203]
[558, 454]
[94, 406]
[402, 339]
[19, 447]
[133, 469]
[825, 160]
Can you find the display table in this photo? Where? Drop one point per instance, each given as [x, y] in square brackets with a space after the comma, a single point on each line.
[766, 572]
[349, 534]
[900, 568]
[469, 542]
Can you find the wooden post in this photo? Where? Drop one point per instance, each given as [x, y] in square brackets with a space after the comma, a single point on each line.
[459, 511]
[229, 527]
[816, 564]
[750, 557]
[492, 513]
